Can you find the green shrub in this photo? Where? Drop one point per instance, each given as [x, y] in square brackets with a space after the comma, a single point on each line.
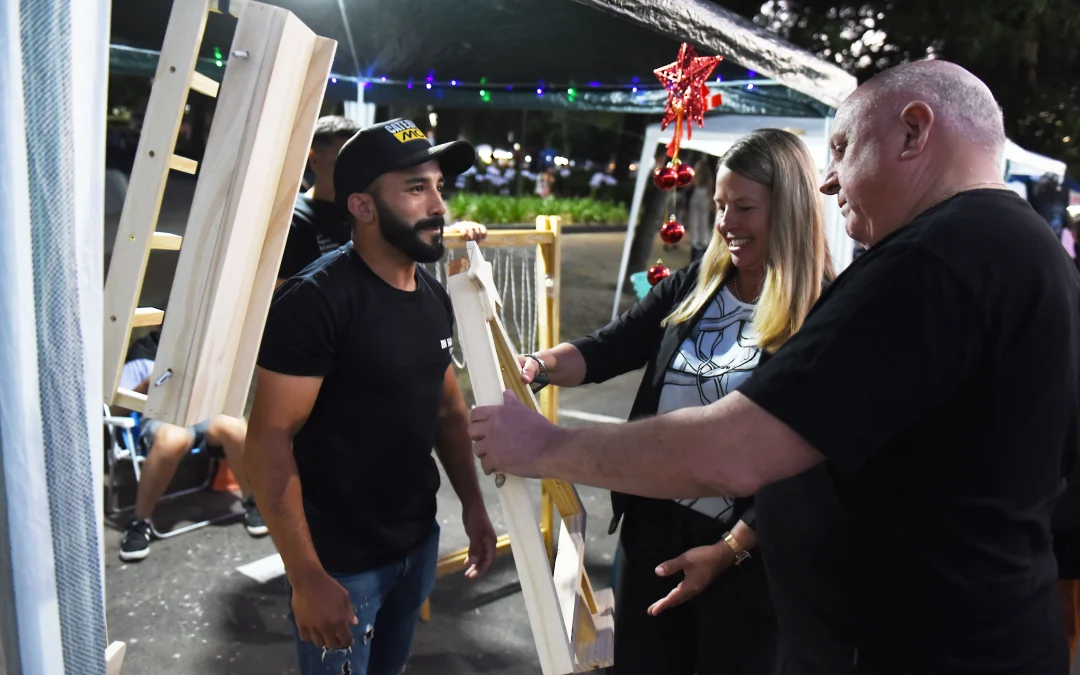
[501, 210]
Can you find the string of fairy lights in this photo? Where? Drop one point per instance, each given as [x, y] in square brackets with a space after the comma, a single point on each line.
[485, 89]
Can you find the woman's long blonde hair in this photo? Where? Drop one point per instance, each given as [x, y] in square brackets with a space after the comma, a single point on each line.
[798, 260]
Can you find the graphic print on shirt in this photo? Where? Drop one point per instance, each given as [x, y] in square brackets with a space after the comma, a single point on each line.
[714, 359]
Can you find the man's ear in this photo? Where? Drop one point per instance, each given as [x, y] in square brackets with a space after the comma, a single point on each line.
[362, 207]
[917, 119]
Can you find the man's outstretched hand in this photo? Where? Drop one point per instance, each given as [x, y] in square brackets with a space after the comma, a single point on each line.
[510, 438]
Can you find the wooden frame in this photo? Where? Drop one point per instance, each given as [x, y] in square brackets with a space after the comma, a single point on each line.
[572, 626]
[546, 237]
[267, 107]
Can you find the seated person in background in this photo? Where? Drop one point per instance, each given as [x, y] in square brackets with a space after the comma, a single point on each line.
[318, 225]
[164, 445]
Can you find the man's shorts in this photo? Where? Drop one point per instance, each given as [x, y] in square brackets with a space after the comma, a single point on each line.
[148, 432]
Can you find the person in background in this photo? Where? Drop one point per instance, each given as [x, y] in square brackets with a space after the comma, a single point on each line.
[164, 445]
[692, 595]
[701, 211]
[318, 226]
[356, 385]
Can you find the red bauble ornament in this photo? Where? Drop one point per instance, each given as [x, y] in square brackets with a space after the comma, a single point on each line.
[684, 175]
[672, 231]
[657, 273]
[665, 177]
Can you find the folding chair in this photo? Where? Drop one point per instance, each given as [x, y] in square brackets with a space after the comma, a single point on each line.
[121, 447]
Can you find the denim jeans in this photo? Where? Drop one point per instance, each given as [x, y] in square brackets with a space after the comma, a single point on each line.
[387, 602]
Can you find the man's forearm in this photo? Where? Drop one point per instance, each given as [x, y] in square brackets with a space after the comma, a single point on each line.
[275, 482]
[454, 449]
[729, 448]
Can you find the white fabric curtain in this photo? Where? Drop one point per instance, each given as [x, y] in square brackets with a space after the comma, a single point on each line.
[53, 83]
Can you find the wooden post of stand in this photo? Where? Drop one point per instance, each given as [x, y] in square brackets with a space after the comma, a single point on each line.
[548, 265]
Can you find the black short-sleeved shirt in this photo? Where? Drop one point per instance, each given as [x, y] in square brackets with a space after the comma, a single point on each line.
[364, 455]
[317, 228]
[939, 377]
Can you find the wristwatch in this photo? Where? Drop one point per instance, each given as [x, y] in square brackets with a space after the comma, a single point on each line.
[741, 553]
[541, 379]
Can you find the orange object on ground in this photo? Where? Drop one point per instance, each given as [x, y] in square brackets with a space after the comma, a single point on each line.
[1070, 597]
[225, 481]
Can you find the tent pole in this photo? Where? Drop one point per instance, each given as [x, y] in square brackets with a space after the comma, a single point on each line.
[648, 149]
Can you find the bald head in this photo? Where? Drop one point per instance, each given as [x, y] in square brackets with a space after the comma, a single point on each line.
[963, 107]
[909, 138]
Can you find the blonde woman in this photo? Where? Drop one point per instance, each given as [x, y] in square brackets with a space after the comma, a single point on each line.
[692, 593]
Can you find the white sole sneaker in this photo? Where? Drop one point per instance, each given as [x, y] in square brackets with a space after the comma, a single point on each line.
[257, 531]
[131, 556]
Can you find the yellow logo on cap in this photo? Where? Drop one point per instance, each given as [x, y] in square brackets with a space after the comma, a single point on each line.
[405, 131]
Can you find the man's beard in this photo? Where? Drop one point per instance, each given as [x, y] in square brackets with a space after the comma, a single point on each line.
[406, 238]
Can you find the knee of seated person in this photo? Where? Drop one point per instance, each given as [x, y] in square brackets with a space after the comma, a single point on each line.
[172, 440]
[224, 428]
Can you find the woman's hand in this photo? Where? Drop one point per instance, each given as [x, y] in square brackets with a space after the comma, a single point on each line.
[529, 369]
[700, 567]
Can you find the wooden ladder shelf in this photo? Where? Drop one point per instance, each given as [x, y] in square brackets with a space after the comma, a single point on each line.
[267, 106]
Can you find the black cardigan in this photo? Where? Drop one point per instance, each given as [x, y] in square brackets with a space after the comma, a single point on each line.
[637, 339]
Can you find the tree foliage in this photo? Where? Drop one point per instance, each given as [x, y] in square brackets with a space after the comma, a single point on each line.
[1027, 51]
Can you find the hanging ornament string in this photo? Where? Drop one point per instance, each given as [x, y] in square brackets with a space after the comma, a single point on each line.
[687, 102]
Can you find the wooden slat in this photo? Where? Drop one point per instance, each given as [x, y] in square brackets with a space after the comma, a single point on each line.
[114, 658]
[164, 111]
[163, 241]
[530, 558]
[183, 164]
[125, 398]
[147, 316]
[600, 653]
[277, 230]
[203, 84]
[227, 224]
[452, 563]
[501, 238]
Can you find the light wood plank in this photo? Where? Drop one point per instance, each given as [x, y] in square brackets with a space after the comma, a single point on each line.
[277, 231]
[114, 658]
[147, 316]
[163, 241]
[501, 238]
[600, 653]
[203, 84]
[164, 111]
[183, 164]
[530, 558]
[256, 109]
[132, 400]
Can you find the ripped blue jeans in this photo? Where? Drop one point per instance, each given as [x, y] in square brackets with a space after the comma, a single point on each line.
[387, 601]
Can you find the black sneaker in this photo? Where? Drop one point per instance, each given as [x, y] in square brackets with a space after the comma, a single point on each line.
[136, 542]
[253, 520]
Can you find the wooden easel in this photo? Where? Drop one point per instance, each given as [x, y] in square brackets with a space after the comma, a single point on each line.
[572, 625]
[266, 111]
[267, 107]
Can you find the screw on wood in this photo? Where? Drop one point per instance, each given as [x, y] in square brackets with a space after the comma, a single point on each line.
[240, 53]
[500, 479]
[164, 376]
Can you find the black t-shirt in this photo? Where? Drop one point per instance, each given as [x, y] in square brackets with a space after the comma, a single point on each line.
[364, 455]
[939, 377]
[317, 228]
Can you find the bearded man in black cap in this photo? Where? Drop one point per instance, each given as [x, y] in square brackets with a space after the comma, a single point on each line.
[355, 386]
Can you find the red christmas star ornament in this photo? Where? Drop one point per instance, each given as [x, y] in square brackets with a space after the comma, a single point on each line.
[688, 95]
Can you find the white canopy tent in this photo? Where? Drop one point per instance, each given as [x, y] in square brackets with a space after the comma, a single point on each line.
[718, 134]
[1020, 162]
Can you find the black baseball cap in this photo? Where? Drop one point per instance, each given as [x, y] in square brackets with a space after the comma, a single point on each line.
[392, 146]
